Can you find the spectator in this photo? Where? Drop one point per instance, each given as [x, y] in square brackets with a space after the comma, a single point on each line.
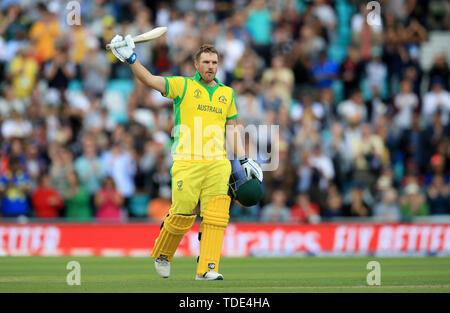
[353, 109]
[232, 50]
[356, 206]
[16, 126]
[121, 166]
[44, 32]
[324, 71]
[76, 199]
[23, 71]
[438, 196]
[413, 203]
[271, 101]
[108, 202]
[46, 201]
[405, 102]
[58, 72]
[77, 36]
[412, 140]
[60, 168]
[369, 154]
[324, 167]
[326, 14]
[259, 25]
[95, 69]
[88, 167]
[440, 70]
[310, 42]
[333, 207]
[283, 177]
[366, 35]
[437, 166]
[437, 100]
[338, 148]
[14, 191]
[276, 211]
[375, 69]
[282, 77]
[433, 135]
[304, 211]
[376, 107]
[387, 210]
[9, 102]
[251, 107]
[308, 109]
[351, 70]
[34, 163]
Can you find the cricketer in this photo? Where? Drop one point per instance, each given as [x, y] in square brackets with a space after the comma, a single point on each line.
[203, 108]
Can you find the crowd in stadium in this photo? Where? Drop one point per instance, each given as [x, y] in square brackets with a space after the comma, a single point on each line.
[364, 127]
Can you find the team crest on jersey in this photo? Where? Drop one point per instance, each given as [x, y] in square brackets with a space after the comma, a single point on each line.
[197, 93]
[223, 100]
[180, 185]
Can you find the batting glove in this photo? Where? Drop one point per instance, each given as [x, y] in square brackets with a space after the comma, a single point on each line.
[125, 53]
[251, 168]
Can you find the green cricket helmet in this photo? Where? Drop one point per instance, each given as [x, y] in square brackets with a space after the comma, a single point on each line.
[247, 191]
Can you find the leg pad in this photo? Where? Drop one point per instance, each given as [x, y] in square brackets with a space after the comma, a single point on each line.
[215, 220]
[173, 230]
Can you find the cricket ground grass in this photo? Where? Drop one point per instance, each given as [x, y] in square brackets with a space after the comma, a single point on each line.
[241, 275]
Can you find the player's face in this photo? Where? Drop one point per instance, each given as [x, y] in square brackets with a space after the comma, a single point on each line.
[207, 66]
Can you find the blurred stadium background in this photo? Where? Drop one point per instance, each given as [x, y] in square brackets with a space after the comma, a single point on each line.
[363, 113]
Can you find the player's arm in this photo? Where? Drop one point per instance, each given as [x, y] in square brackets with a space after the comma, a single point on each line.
[147, 78]
[127, 54]
[235, 138]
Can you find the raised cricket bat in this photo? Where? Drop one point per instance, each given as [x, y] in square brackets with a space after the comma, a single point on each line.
[148, 36]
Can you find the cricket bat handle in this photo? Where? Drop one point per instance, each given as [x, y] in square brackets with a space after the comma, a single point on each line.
[148, 36]
[119, 44]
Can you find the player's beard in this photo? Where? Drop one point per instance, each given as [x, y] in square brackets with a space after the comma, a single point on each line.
[208, 77]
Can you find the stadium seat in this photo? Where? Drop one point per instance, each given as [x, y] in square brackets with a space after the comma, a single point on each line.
[75, 85]
[124, 86]
[115, 102]
[138, 205]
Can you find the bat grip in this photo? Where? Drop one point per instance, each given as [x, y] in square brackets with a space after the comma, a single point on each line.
[119, 44]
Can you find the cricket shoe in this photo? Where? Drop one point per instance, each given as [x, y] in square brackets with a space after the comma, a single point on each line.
[162, 267]
[210, 275]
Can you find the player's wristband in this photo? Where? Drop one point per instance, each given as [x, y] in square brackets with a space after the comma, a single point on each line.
[243, 160]
[132, 58]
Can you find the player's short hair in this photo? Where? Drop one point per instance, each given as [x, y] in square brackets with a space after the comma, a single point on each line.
[205, 48]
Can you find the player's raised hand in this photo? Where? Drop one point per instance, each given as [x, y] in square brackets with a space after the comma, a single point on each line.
[126, 52]
[251, 168]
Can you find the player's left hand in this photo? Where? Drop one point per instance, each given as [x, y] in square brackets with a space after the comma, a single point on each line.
[251, 168]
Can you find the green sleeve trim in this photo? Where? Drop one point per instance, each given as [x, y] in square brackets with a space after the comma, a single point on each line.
[232, 97]
[185, 87]
[167, 87]
[176, 105]
[233, 100]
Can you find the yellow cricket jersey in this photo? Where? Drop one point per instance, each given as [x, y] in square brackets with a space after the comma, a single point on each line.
[201, 113]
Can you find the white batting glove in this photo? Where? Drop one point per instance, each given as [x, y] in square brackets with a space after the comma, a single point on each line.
[124, 53]
[251, 168]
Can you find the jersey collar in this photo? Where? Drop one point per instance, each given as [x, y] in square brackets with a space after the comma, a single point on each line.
[197, 78]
